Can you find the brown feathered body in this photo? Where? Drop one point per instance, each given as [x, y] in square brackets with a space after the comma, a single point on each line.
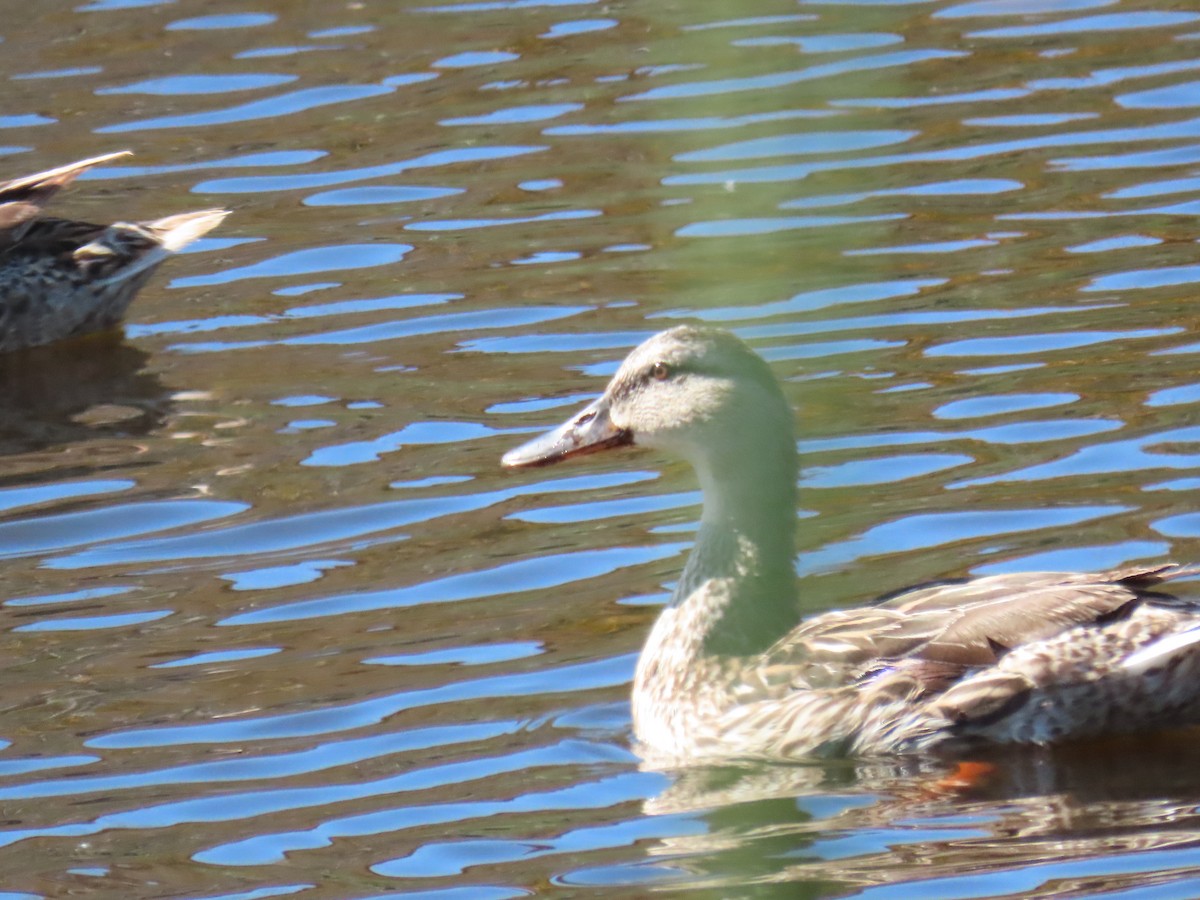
[61, 278]
[730, 670]
[1032, 658]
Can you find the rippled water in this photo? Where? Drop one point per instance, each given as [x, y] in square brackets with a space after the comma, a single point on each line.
[274, 621]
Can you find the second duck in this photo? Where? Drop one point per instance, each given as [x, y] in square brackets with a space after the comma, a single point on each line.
[61, 278]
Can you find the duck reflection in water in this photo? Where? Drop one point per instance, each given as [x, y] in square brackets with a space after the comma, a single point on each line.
[61, 278]
[1016, 815]
[729, 670]
[76, 389]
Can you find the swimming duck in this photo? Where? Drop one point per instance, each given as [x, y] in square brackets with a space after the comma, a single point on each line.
[60, 278]
[729, 670]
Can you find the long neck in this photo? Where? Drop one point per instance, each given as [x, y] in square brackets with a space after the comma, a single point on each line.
[737, 593]
[743, 560]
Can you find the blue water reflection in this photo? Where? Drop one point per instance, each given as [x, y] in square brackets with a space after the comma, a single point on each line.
[268, 598]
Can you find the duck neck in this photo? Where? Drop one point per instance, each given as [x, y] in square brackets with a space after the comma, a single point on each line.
[745, 554]
[736, 596]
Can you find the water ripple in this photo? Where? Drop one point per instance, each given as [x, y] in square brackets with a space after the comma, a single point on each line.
[268, 183]
[344, 717]
[257, 110]
[285, 607]
[777, 80]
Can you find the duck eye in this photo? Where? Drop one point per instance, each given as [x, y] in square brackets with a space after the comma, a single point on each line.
[660, 371]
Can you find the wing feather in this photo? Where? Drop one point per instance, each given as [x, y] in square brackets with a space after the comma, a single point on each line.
[964, 624]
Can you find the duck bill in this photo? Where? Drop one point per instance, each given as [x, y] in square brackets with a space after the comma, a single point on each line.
[589, 430]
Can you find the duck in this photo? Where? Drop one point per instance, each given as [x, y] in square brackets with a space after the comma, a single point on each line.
[732, 668]
[61, 278]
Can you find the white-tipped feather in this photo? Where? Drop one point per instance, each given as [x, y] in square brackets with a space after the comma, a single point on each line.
[173, 234]
[69, 169]
[176, 232]
[1161, 651]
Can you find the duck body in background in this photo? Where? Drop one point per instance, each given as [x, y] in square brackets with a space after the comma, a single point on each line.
[61, 278]
[731, 671]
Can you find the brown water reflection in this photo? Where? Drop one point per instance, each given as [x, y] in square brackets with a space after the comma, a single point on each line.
[275, 623]
[72, 391]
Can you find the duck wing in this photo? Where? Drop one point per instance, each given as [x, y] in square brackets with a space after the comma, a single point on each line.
[47, 238]
[22, 199]
[955, 627]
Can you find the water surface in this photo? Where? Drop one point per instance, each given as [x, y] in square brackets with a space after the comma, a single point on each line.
[276, 624]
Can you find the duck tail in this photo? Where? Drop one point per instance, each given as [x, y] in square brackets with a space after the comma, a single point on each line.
[129, 249]
[173, 233]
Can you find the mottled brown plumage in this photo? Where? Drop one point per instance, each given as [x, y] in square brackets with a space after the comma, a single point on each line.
[728, 671]
[61, 278]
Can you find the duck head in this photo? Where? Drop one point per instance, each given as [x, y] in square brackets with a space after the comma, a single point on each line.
[694, 391]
